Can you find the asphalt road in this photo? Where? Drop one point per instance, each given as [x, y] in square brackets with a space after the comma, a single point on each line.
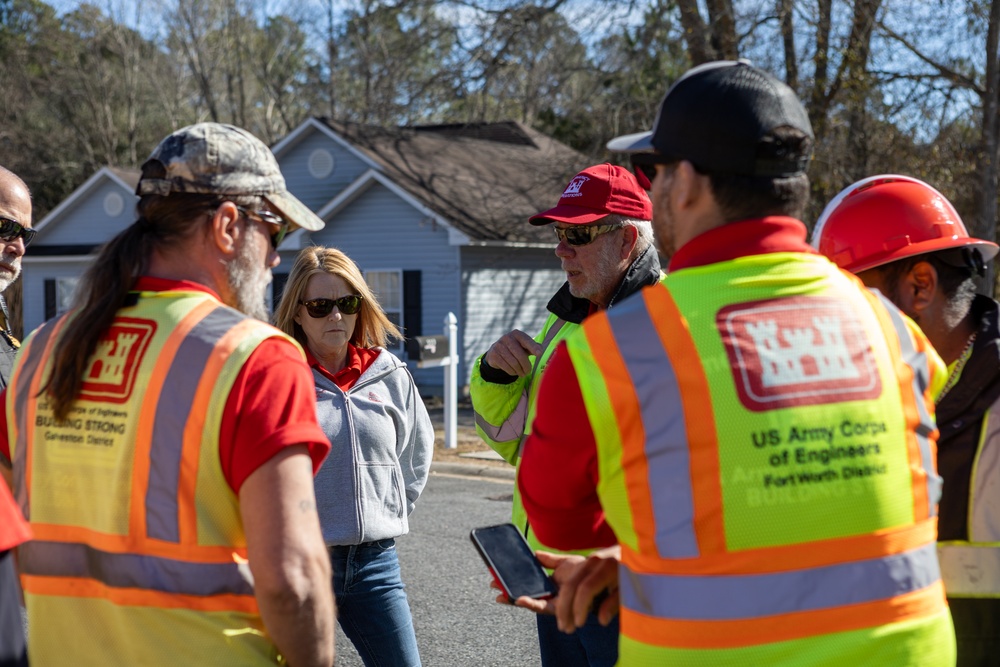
[456, 620]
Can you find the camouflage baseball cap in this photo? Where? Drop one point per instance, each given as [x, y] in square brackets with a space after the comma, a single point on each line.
[213, 158]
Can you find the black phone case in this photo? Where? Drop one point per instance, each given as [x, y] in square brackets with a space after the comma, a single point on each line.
[511, 561]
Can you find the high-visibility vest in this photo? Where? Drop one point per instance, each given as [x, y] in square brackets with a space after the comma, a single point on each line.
[766, 459]
[503, 418]
[971, 568]
[140, 556]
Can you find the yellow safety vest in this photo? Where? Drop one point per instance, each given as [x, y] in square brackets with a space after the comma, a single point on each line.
[139, 555]
[766, 459]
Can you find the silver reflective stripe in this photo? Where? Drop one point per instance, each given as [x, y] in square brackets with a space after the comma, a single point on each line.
[917, 361]
[25, 374]
[970, 571]
[514, 426]
[747, 596]
[666, 445]
[984, 496]
[175, 401]
[117, 570]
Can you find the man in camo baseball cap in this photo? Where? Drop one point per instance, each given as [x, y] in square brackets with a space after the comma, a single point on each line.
[214, 158]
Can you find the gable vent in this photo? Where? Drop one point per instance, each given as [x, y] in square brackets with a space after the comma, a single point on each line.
[320, 163]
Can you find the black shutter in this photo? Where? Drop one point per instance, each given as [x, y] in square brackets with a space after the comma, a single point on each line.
[412, 307]
[277, 289]
[50, 298]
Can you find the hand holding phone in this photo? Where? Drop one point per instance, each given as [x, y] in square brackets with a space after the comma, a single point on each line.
[512, 563]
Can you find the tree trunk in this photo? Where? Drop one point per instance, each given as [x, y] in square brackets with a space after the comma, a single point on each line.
[819, 99]
[857, 86]
[723, 23]
[788, 41]
[985, 224]
[331, 53]
[695, 33]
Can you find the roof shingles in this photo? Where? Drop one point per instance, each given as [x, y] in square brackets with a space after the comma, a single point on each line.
[486, 179]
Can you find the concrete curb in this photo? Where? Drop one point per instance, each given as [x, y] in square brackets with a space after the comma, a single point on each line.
[474, 469]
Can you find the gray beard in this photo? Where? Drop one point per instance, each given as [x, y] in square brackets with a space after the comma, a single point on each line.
[248, 279]
[5, 280]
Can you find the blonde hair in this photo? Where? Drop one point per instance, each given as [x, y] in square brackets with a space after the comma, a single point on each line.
[373, 328]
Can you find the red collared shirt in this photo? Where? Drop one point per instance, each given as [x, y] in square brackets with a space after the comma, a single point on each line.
[358, 360]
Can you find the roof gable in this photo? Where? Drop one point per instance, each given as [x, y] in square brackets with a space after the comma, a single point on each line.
[89, 216]
[127, 179]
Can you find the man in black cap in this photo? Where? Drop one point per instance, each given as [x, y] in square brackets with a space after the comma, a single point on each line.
[758, 426]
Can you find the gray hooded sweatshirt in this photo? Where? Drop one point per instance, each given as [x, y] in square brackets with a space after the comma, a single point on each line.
[382, 446]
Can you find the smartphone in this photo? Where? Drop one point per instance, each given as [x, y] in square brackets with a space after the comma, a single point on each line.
[512, 562]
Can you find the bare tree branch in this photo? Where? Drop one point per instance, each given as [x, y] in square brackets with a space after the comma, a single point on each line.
[943, 70]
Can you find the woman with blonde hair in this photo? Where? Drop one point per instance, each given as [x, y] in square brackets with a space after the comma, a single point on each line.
[382, 439]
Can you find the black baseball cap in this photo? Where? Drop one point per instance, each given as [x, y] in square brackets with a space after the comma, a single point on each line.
[721, 117]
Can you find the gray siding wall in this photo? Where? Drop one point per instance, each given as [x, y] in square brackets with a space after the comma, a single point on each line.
[88, 222]
[505, 289]
[380, 231]
[317, 192]
[33, 277]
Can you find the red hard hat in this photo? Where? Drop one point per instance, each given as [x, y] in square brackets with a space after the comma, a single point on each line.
[885, 218]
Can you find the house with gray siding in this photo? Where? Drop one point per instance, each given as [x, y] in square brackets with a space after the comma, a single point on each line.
[435, 217]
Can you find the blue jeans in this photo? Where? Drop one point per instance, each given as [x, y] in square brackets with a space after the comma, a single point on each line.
[371, 604]
[592, 645]
[13, 648]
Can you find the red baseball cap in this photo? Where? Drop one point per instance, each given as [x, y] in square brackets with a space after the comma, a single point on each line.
[596, 192]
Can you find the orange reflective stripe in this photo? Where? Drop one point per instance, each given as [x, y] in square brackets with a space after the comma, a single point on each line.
[784, 627]
[194, 428]
[88, 588]
[126, 544]
[792, 556]
[34, 389]
[921, 503]
[144, 432]
[699, 420]
[625, 401]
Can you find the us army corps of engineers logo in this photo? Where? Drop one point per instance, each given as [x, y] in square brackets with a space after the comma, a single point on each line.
[797, 351]
[112, 370]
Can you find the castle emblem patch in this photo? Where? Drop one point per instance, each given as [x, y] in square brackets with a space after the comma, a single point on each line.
[112, 368]
[797, 351]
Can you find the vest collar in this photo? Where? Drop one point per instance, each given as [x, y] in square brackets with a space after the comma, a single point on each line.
[758, 236]
[152, 284]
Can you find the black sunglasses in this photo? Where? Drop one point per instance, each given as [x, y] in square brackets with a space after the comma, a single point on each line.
[10, 230]
[646, 164]
[271, 219]
[348, 305]
[582, 234]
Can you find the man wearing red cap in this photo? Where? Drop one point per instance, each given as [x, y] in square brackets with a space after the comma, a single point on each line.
[605, 247]
[904, 238]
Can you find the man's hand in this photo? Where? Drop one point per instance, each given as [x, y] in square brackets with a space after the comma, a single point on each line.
[581, 581]
[511, 351]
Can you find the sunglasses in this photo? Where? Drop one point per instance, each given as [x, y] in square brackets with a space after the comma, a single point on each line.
[645, 163]
[583, 234]
[270, 219]
[348, 305]
[10, 230]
